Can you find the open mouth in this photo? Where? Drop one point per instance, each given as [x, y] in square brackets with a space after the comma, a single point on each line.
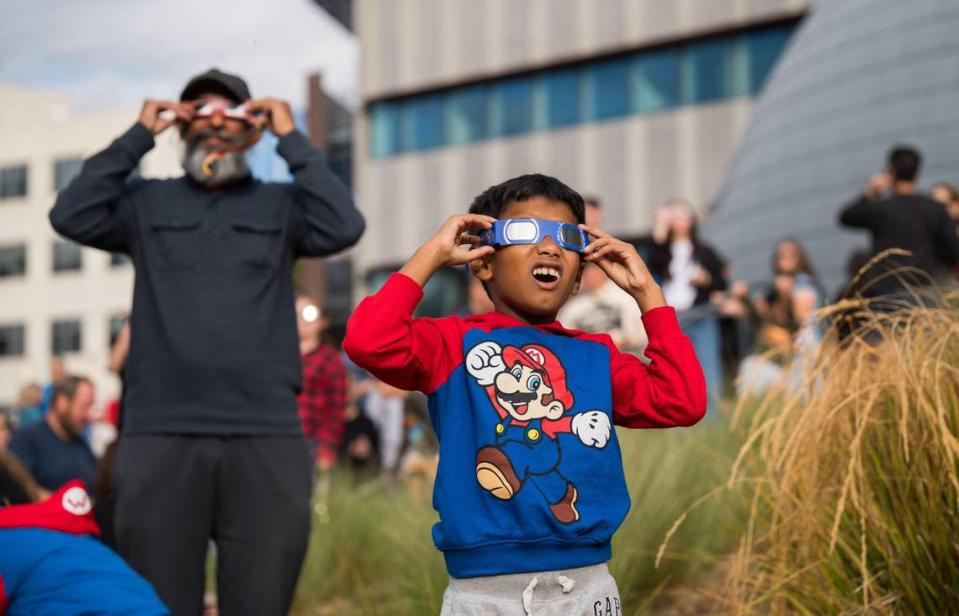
[547, 275]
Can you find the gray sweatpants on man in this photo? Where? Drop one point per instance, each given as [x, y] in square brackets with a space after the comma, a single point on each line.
[586, 591]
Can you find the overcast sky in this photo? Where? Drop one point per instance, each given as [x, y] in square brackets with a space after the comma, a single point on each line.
[103, 53]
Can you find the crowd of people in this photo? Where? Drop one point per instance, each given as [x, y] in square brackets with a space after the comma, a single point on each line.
[208, 417]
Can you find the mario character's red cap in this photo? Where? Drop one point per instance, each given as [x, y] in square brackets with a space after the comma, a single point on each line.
[542, 360]
[68, 510]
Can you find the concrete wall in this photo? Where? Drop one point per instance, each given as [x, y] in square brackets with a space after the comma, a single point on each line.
[410, 45]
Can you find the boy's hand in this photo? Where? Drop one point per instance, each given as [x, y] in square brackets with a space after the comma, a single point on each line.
[625, 267]
[451, 245]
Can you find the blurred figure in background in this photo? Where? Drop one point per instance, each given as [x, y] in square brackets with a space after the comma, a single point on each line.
[948, 195]
[322, 400]
[29, 406]
[6, 430]
[898, 217]
[806, 295]
[601, 306]
[57, 373]
[54, 450]
[361, 440]
[784, 318]
[386, 408]
[690, 272]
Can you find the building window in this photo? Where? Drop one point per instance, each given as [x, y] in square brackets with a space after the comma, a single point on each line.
[706, 72]
[13, 181]
[64, 170]
[608, 88]
[66, 337]
[511, 107]
[13, 261]
[423, 123]
[67, 257]
[559, 99]
[119, 259]
[12, 340]
[656, 81]
[466, 115]
[384, 129]
[114, 326]
[763, 48]
[646, 81]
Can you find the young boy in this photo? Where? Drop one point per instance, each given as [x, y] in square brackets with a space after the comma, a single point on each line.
[530, 486]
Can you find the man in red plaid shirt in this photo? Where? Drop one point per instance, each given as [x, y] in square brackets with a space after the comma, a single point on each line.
[323, 399]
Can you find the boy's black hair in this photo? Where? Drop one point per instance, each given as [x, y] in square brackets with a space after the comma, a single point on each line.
[494, 199]
[904, 162]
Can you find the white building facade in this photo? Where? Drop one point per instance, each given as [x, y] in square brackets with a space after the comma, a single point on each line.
[55, 297]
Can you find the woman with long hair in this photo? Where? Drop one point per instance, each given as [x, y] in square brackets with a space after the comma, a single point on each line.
[690, 272]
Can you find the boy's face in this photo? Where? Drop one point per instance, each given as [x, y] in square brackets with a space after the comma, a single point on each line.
[531, 282]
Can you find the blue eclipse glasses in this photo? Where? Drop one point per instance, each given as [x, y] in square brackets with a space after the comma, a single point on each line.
[532, 231]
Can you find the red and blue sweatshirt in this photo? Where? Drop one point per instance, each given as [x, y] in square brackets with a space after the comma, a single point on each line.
[530, 474]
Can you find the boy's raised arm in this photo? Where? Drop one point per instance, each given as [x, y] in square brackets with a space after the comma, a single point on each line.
[671, 390]
[383, 337]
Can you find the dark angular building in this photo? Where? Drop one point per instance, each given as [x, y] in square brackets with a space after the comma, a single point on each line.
[858, 77]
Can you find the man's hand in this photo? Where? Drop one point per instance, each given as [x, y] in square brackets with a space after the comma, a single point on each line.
[879, 183]
[152, 115]
[278, 114]
[484, 362]
[592, 427]
[451, 245]
[625, 267]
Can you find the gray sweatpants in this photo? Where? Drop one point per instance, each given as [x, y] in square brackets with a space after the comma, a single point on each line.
[586, 591]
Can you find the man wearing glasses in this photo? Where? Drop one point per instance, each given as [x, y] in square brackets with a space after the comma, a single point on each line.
[211, 443]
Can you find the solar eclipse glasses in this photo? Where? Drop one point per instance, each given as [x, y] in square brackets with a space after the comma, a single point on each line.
[532, 231]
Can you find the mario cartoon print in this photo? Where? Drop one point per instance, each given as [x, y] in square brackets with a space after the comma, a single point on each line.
[527, 387]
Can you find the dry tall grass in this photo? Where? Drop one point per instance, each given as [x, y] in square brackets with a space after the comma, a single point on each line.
[852, 478]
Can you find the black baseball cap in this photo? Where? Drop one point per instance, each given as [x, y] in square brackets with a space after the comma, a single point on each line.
[215, 81]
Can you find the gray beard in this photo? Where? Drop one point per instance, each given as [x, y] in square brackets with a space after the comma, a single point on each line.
[230, 168]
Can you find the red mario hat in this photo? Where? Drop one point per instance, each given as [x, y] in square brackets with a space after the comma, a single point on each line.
[542, 360]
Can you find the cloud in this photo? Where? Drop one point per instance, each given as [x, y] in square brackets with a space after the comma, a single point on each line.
[103, 53]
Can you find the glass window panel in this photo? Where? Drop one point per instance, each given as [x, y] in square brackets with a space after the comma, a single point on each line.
[763, 48]
[13, 181]
[119, 259]
[64, 170]
[384, 129]
[466, 115]
[114, 326]
[12, 340]
[561, 99]
[511, 107]
[608, 88]
[66, 337]
[13, 261]
[706, 74]
[67, 257]
[656, 81]
[423, 120]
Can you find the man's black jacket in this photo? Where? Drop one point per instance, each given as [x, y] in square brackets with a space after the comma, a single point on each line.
[912, 222]
[214, 347]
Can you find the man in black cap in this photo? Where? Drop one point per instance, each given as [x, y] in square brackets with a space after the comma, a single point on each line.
[211, 443]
